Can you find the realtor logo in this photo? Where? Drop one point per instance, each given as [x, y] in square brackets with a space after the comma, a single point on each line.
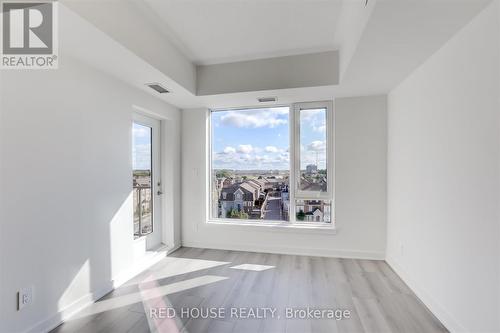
[29, 35]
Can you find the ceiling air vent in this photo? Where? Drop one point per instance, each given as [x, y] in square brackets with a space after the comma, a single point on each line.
[267, 99]
[158, 88]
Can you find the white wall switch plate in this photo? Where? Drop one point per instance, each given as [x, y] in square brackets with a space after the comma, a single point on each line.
[24, 297]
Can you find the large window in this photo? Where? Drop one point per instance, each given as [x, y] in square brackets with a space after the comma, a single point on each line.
[251, 164]
[264, 159]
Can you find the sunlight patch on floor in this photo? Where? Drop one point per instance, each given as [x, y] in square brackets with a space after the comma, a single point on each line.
[147, 294]
[253, 267]
[158, 325]
[172, 266]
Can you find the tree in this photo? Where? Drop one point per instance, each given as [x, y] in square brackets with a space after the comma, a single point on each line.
[234, 214]
[301, 215]
[222, 174]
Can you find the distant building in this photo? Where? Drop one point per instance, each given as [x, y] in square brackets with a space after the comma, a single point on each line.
[227, 182]
[285, 202]
[259, 183]
[251, 194]
[315, 183]
[247, 197]
[311, 169]
[236, 197]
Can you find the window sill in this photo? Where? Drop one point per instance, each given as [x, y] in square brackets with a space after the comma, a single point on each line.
[278, 226]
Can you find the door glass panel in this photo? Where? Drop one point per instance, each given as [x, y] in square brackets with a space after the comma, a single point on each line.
[142, 179]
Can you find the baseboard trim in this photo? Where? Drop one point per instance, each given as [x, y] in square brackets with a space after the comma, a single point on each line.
[317, 252]
[449, 321]
[86, 300]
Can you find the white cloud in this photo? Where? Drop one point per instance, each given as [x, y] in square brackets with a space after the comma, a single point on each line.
[315, 118]
[314, 153]
[242, 161]
[321, 128]
[229, 150]
[283, 158]
[245, 149]
[272, 149]
[317, 146]
[312, 114]
[255, 118]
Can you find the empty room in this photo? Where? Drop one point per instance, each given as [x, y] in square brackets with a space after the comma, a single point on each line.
[261, 166]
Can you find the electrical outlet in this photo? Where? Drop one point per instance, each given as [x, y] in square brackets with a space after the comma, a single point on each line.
[24, 297]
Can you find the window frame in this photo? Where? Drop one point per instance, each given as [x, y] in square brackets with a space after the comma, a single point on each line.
[294, 169]
[295, 192]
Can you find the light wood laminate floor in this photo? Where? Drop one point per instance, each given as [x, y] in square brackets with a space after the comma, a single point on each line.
[200, 279]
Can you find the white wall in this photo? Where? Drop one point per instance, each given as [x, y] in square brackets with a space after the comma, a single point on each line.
[443, 178]
[304, 70]
[65, 211]
[360, 190]
[131, 23]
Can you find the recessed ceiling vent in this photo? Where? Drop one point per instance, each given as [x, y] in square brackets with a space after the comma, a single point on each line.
[158, 88]
[267, 99]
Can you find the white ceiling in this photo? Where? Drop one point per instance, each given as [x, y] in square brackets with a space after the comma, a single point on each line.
[217, 31]
[399, 35]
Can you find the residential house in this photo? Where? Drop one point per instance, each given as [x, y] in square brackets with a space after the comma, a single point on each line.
[315, 210]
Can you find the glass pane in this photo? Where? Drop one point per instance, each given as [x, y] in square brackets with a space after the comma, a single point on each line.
[250, 164]
[313, 211]
[142, 179]
[313, 147]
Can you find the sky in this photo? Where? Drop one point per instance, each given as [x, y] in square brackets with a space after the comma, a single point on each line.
[313, 138]
[252, 139]
[141, 147]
